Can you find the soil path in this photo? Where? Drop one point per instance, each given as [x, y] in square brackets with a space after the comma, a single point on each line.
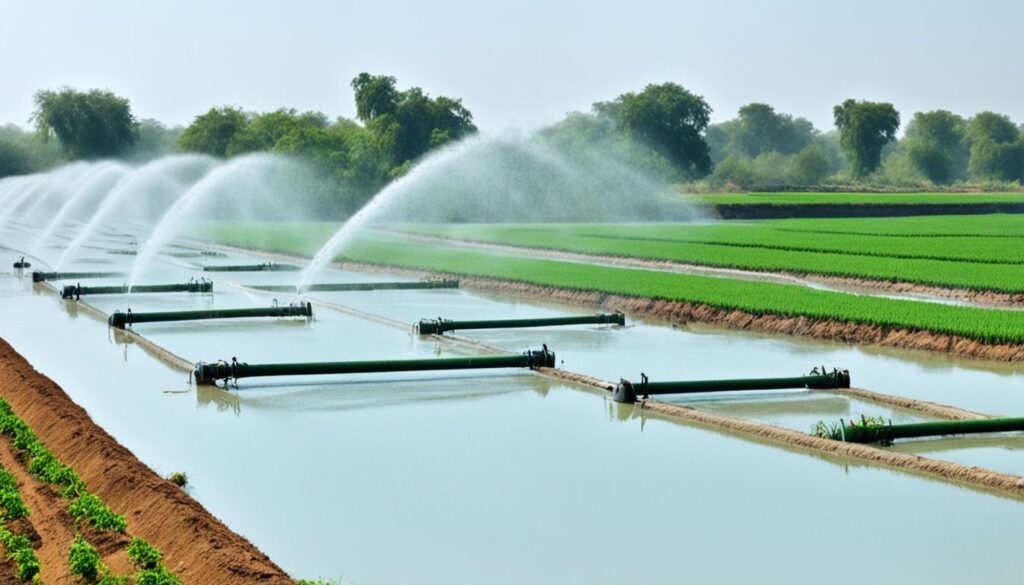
[196, 545]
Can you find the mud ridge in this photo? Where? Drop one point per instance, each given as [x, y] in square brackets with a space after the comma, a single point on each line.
[196, 545]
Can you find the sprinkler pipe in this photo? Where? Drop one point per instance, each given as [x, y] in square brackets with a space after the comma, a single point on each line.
[265, 267]
[39, 276]
[887, 433]
[222, 370]
[121, 320]
[75, 291]
[627, 392]
[439, 326]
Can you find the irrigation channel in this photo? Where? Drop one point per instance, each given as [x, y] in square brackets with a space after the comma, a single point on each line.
[506, 476]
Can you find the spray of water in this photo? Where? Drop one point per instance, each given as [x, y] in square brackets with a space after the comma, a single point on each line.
[159, 173]
[517, 177]
[105, 177]
[235, 185]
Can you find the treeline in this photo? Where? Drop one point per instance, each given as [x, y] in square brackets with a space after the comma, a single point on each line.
[663, 130]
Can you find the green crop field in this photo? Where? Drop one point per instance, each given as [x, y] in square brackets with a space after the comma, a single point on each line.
[992, 264]
[858, 198]
[753, 297]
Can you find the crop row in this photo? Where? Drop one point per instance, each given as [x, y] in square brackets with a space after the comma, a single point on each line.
[87, 566]
[991, 326]
[858, 198]
[44, 466]
[921, 226]
[996, 250]
[18, 546]
[972, 275]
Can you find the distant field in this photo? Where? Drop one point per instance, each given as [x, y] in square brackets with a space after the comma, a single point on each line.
[981, 262]
[753, 297]
[859, 198]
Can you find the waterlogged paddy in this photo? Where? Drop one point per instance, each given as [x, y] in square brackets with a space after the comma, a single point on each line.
[508, 477]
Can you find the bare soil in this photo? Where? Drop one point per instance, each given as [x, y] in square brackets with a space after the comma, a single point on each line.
[197, 546]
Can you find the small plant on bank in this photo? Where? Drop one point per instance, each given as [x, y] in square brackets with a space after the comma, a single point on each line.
[143, 555]
[178, 478]
[94, 509]
[157, 576]
[84, 560]
[837, 430]
[19, 549]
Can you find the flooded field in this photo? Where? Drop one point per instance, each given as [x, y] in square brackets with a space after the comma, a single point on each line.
[506, 476]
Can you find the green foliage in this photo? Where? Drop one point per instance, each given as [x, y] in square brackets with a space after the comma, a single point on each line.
[761, 130]
[143, 555]
[865, 127]
[156, 576]
[19, 549]
[43, 465]
[92, 124]
[668, 118]
[178, 478]
[736, 170]
[13, 160]
[84, 560]
[264, 131]
[810, 166]
[993, 127]
[936, 144]
[839, 198]
[409, 122]
[155, 140]
[94, 509]
[11, 505]
[211, 133]
[997, 161]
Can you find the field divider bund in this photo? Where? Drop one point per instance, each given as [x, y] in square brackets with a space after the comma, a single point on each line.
[159, 352]
[993, 482]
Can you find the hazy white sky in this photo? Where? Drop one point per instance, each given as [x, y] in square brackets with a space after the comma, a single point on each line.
[521, 63]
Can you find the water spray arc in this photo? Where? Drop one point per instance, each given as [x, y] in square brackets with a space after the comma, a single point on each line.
[112, 171]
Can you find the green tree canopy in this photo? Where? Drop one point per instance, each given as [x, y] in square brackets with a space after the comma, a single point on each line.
[668, 118]
[409, 123]
[810, 166]
[936, 145]
[89, 124]
[761, 129]
[264, 131]
[211, 133]
[864, 128]
[992, 126]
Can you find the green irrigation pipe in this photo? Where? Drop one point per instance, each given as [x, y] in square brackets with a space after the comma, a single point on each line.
[439, 326]
[76, 290]
[265, 267]
[627, 392]
[39, 276]
[222, 370]
[360, 286]
[120, 320]
[888, 433]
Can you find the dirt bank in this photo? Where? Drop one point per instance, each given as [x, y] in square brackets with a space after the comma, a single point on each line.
[196, 546]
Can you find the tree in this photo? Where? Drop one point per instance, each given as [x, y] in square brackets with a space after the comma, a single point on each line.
[992, 126]
[810, 166]
[91, 124]
[936, 145]
[155, 140]
[736, 171]
[376, 95]
[13, 160]
[409, 122]
[761, 129]
[669, 119]
[211, 133]
[864, 128]
[264, 131]
[997, 148]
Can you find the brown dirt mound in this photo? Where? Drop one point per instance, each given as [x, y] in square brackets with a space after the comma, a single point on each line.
[196, 546]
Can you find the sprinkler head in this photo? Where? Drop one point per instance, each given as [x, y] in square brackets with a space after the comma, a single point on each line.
[118, 319]
[624, 393]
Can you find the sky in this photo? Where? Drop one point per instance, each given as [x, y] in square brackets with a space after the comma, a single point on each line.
[517, 64]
